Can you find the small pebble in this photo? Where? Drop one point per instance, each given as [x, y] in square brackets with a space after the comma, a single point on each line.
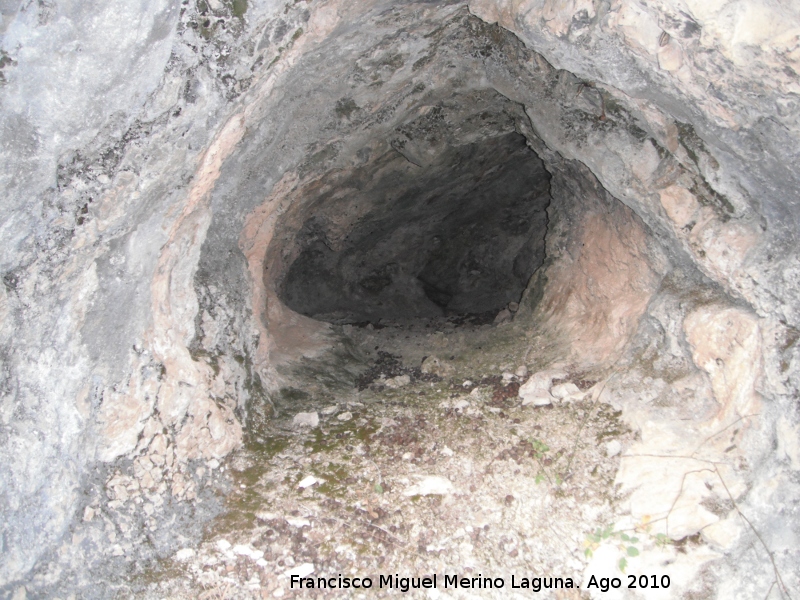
[306, 419]
[184, 554]
[613, 448]
[307, 482]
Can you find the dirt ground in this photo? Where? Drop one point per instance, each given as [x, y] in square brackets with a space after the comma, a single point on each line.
[412, 472]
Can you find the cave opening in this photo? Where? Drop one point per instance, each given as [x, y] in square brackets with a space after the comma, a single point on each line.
[436, 263]
[460, 235]
[427, 273]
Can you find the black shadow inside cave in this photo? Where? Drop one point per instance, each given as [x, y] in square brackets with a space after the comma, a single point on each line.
[461, 235]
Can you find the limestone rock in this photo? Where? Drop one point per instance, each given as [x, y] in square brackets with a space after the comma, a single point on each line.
[537, 398]
[166, 236]
[309, 419]
[302, 570]
[308, 481]
[430, 485]
[726, 343]
[435, 366]
[398, 382]
[613, 448]
[184, 554]
[536, 391]
[724, 533]
[670, 56]
[563, 390]
[789, 442]
[503, 316]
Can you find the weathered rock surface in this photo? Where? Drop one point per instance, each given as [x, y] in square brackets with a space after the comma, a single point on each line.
[186, 185]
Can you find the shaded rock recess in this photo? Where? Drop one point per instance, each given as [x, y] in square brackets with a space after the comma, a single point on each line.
[539, 256]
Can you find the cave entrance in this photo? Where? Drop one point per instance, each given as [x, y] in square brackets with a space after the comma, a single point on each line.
[448, 220]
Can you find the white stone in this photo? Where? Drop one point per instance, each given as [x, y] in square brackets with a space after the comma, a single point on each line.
[243, 550]
[263, 515]
[308, 482]
[145, 463]
[158, 445]
[184, 554]
[537, 398]
[447, 451]
[563, 390]
[461, 404]
[223, 545]
[302, 570]
[345, 416]
[788, 442]
[329, 410]
[670, 57]
[508, 377]
[723, 534]
[613, 448]
[670, 491]
[306, 419]
[521, 372]
[467, 384]
[537, 389]
[502, 317]
[298, 522]
[431, 485]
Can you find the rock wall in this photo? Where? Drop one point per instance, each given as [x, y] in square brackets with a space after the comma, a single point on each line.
[150, 151]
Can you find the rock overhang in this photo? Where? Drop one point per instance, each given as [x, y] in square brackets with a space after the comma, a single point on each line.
[366, 66]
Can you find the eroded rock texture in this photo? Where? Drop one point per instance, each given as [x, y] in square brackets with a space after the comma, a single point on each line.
[419, 233]
[194, 191]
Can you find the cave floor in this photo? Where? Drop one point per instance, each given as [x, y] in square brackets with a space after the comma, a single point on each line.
[414, 473]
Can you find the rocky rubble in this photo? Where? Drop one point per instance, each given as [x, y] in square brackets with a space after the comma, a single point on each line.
[433, 476]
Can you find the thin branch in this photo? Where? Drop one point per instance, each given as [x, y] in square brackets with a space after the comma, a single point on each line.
[778, 579]
[769, 591]
[781, 586]
[680, 493]
[585, 419]
[723, 430]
